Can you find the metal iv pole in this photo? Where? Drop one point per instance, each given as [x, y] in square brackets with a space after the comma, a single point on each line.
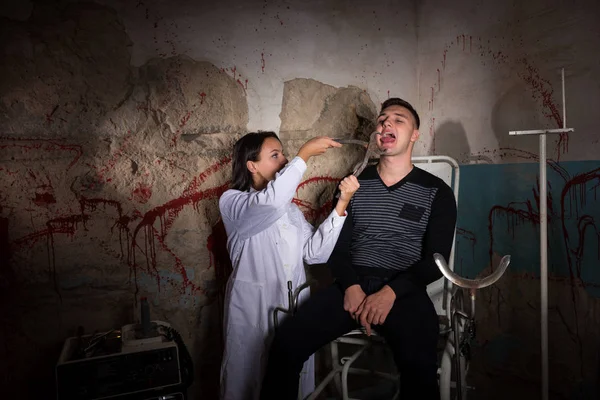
[544, 233]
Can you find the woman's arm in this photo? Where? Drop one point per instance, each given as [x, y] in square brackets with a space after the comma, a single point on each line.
[249, 213]
[319, 244]
[253, 212]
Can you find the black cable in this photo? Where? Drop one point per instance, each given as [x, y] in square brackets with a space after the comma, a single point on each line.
[186, 361]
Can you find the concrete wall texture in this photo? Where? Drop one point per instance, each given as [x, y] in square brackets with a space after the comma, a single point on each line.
[117, 121]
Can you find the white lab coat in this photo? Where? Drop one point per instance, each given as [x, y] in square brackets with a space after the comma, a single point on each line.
[258, 282]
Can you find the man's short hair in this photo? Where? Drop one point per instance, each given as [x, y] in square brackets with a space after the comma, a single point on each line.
[395, 101]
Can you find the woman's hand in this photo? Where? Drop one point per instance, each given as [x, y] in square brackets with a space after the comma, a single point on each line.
[348, 187]
[316, 146]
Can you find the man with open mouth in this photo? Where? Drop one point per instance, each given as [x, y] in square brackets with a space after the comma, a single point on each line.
[382, 263]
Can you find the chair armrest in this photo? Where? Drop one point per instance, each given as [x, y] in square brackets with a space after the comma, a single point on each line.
[471, 283]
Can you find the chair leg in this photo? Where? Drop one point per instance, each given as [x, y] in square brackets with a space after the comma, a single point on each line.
[346, 368]
[446, 371]
[463, 374]
[334, 374]
[335, 361]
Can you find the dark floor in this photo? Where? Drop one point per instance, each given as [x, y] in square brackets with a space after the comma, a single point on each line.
[482, 387]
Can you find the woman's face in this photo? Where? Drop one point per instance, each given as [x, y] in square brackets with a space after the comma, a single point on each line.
[270, 161]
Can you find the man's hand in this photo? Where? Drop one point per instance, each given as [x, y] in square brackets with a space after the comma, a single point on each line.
[353, 298]
[375, 308]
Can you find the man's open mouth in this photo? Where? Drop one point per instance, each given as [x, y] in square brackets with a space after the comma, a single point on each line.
[387, 137]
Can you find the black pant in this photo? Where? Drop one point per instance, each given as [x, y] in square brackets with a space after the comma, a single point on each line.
[411, 330]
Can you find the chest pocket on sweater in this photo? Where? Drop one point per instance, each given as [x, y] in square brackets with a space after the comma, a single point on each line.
[411, 212]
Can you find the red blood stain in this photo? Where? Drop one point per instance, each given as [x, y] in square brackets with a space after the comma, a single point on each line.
[49, 119]
[432, 134]
[202, 97]
[219, 257]
[200, 179]
[554, 278]
[69, 225]
[142, 193]
[193, 187]
[318, 179]
[431, 101]
[44, 196]
[514, 216]
[243, 85]
[112, 162]
[43, 144]
[468, 235]
[444, 60]
[185, 119]
[169, 210]
[576, 189]
[262, 62]
[314, 213]
[311, 213]
[576, 192]
[540, 87]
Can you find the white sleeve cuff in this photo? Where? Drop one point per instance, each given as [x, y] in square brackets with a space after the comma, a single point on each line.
[337, 220]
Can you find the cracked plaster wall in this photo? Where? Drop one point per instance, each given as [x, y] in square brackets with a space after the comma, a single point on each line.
[117, 119]
[486, 68]
[116, 125]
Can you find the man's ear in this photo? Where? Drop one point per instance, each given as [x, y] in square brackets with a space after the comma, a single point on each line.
[251, 167]
[414, 136]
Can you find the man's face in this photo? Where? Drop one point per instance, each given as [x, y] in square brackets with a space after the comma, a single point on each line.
[398, 130]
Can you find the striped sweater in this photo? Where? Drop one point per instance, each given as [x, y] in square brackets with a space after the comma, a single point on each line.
[396, 228]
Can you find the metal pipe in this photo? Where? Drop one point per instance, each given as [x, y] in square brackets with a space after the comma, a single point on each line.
[471, 283]
[544, 233]
[472, 303]
[544, 247]
[290, 297]
[457, 357]
[544, 266]
[352, 141]
[540, 131]
[564, 101]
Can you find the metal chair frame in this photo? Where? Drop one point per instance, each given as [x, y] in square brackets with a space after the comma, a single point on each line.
[458, 331]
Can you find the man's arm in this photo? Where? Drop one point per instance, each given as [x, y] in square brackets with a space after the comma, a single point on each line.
[439, 237]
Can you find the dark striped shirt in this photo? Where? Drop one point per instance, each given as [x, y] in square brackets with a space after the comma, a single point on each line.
[397, 229]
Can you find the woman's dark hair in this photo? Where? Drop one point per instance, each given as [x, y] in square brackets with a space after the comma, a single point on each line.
[247, 148]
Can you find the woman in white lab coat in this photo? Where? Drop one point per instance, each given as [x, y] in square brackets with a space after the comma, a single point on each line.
[268, 240]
